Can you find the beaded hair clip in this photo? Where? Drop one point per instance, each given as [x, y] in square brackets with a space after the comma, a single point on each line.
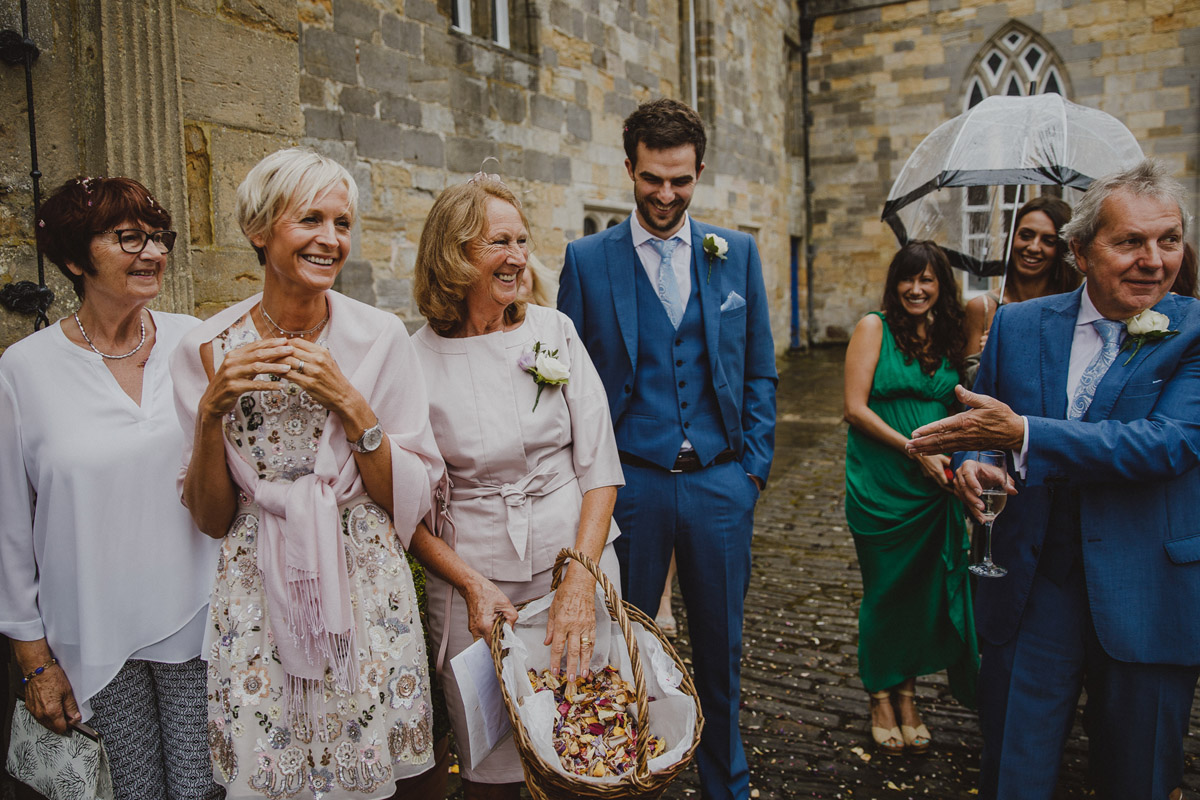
[483, 175]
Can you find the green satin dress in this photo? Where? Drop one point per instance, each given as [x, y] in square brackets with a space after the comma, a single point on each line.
[911, 539]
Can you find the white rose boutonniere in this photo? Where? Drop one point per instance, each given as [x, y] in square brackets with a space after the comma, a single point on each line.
[714, 247]
[1149, 326]
[546, 369]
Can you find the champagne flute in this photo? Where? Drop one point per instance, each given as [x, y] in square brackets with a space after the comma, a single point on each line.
[993, 477]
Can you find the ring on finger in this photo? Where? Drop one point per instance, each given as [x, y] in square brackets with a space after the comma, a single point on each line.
[585, 640]
[300, 367]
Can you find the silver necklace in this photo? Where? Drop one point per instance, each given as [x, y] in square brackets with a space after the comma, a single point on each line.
[88, 339]
[285, 331]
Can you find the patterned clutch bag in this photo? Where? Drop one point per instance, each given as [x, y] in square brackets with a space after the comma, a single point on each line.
[72, 767]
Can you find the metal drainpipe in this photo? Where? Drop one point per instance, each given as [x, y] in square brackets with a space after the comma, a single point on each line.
[691, 31]
[810, 250]
[26, 297]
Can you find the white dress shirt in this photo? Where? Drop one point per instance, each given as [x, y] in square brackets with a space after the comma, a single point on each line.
[681, 259]
[1084, 347]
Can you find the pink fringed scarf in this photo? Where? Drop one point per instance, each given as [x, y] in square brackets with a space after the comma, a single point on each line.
[300, 553]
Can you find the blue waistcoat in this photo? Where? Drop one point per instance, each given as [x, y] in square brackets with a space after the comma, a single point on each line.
[673, 393]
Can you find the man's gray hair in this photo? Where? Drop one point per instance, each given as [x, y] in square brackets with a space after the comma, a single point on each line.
[1149, 178]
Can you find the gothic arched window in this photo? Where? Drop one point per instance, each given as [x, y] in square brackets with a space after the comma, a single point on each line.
[1015, 62]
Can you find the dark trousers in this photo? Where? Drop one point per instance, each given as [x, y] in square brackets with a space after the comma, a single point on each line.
[706, 518]
[1136, 714]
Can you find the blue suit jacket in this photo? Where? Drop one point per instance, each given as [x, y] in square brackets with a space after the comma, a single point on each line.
[1134, 459]
[597, 291]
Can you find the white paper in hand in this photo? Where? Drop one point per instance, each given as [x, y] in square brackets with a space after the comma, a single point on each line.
[487, 719]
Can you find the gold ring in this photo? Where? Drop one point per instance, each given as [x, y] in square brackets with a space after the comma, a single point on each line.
[584, 640]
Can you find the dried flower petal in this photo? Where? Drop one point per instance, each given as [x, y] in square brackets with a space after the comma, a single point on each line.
[593, 731]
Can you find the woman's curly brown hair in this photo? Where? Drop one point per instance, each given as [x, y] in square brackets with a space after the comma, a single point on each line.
[944, 333]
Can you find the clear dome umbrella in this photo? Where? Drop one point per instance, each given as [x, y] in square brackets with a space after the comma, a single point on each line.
[952, 188]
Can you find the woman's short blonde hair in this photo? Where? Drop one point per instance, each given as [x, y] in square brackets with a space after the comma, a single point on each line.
[296, 175]
[444, 274]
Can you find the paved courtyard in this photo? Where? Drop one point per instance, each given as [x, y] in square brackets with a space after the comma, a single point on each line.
[804, 714]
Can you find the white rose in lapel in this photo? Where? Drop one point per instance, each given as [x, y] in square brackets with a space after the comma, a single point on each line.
[714, 247]
[551, 369]
[1146, 327]
[1149, 321]
[546, 369]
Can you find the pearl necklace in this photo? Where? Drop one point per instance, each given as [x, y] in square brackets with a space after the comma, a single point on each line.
[88, 339]
[288, 333]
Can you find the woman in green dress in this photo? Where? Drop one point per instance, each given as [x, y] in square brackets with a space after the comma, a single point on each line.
[915, 619]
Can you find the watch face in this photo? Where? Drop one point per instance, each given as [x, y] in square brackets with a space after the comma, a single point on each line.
[371, 438]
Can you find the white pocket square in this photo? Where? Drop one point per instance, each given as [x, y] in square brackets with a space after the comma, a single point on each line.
[734, 300]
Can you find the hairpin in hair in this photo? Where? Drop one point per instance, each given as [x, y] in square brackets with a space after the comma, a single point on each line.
[41, 223]
[483, 175]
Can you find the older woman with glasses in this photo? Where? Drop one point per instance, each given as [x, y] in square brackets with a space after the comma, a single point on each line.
[104, 580]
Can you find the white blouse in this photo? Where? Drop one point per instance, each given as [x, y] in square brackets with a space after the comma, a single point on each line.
[97, 554]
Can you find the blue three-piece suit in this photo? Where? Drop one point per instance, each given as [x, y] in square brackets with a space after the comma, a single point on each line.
[711, 380]
[1102, 547]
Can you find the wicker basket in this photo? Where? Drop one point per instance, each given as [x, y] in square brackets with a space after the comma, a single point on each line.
[545, 782]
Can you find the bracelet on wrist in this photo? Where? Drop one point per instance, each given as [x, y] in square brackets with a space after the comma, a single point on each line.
[31, 675]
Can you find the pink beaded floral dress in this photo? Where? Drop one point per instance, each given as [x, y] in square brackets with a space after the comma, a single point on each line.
[357, 744]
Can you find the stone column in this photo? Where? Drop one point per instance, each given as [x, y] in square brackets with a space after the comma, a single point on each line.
[143, 120]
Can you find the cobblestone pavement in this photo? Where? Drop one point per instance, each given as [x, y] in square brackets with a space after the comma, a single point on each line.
[804, 717]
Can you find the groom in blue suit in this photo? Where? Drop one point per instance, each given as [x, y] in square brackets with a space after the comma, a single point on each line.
[674, 315]
[1097, 398]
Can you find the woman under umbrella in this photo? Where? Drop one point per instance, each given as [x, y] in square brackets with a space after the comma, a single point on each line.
[1037, 266]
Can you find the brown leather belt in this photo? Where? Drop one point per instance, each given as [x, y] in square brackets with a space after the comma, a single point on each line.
[686, 461]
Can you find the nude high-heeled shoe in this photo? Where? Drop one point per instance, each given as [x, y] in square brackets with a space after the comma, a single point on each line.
[916, 740]
[888, 740]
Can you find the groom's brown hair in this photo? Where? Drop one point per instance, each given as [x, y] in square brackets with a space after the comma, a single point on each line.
[664, 124]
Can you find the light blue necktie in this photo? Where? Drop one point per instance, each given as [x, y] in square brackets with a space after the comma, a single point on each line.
[668, 287]
[1110, 332]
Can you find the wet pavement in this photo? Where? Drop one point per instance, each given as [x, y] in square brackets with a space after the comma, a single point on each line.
[804, 717]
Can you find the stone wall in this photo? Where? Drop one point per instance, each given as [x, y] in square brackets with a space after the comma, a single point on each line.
[884, 76]
[59, 131]
[424, 105]
[410, 105]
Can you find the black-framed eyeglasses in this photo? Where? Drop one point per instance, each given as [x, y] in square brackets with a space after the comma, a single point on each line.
[133, 240]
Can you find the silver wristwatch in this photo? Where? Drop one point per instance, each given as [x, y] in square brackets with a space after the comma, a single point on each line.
[370, 440]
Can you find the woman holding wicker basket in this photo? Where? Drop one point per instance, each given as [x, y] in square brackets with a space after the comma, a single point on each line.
[522, 421]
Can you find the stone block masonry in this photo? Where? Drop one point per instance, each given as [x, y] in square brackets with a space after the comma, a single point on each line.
[882, 78]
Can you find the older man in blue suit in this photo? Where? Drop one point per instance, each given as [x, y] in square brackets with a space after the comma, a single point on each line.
[674, 315]
[1098, 399]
